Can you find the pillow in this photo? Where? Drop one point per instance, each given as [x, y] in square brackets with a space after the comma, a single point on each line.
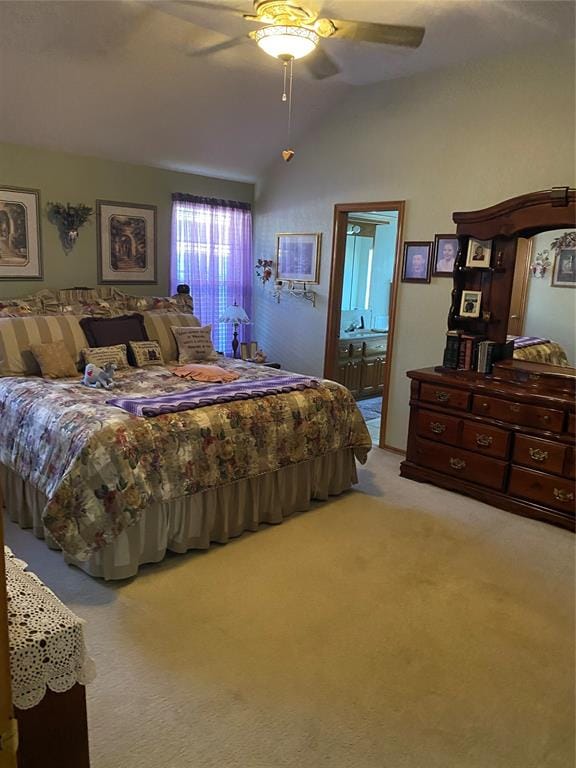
[101, 355]
[110, 331]
[194, 344]
[146, 353]
[54, 359]
[159, 327]
[17, 334]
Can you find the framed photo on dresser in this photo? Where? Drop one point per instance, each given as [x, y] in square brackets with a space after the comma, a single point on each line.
[479, 253]
[126, 242]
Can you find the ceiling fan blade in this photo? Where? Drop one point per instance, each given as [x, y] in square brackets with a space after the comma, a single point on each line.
[232, 43]
[320, 65]
[202, 5]
[369, 32]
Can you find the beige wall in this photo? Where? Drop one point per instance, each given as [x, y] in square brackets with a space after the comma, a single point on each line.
[72, 178]
[456, 140]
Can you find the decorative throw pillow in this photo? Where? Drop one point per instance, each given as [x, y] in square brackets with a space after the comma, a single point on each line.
[110, 331]
[101, 355]
[54, 359]
[194, 344]
[146, 353]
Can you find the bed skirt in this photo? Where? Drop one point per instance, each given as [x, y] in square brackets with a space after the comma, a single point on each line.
[193, 522]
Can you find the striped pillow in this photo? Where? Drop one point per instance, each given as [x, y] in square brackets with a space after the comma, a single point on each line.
[18, 334]
[159, 328]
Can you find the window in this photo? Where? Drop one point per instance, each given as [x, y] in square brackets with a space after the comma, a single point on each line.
[212, 253]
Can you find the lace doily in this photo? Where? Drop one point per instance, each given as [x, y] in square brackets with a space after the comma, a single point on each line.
[47, 648]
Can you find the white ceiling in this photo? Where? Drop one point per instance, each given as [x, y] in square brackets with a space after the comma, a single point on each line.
[116, 78]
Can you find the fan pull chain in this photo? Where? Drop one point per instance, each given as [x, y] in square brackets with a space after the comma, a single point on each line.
[285, 67]
[288, 154]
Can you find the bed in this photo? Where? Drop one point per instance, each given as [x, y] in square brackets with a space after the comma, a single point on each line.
[535, 349]
[115, 491]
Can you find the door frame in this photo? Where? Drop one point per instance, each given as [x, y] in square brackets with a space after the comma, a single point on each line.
[341, 211]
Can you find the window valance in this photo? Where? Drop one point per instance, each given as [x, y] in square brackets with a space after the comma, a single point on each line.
[182, 197]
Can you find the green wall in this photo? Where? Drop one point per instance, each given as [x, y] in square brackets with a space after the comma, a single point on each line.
[69, 178]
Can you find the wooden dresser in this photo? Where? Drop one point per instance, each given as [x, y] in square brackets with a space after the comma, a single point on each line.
[506, 439]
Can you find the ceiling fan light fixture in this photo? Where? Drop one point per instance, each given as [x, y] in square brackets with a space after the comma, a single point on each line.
[286, 41]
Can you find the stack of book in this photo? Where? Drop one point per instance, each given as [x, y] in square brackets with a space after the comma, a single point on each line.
[468, 352]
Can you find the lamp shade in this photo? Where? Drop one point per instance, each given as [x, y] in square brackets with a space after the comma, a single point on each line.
[286, 41]
[234, 314]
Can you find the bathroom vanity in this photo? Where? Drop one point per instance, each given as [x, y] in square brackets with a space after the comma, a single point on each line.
[361, 362]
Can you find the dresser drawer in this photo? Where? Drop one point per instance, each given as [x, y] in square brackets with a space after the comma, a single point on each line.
[539, 454]
[518, 413]
[447, 396]
[571, 429]
[375, 347]
[343, 349]
[438, 426]
[462, 464]
[485, 439]
[536, 486]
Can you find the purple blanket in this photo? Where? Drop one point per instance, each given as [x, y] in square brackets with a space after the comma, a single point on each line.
[211, 394]
[527, 341]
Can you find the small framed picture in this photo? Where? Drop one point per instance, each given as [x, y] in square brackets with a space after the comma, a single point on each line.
[20, 248]
[445, 252]
[248, 350]
[564, 272]
[126, 242]
[417, 262]
[470, 304]
[298, 257]
[479, 253]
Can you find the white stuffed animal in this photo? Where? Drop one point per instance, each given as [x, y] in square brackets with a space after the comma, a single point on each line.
[99, 377]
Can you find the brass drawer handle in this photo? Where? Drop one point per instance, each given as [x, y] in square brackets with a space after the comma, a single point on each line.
[561, 495]
[484, 405]
[514, 407]
[484, 440]
[538, 454]
[457, 463]
[437, 428]
[443, 397]
[545, 419]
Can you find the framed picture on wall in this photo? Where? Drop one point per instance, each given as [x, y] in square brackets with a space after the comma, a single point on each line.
[417, 262]
[564, 272]
[298, 257]
[20, 247]
[126, 242]
[445, 252]
[479, 253]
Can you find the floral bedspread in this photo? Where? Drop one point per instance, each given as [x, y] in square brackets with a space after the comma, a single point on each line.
[549, 352]
[99, 466]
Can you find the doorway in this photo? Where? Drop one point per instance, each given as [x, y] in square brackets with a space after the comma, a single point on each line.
[362, 304]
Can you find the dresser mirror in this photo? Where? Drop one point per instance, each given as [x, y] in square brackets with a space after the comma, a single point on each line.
[543, 304]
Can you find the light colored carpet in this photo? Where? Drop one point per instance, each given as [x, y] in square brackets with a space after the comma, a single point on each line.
[399, 626]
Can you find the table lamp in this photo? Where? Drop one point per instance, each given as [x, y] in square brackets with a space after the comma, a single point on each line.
[237, 316]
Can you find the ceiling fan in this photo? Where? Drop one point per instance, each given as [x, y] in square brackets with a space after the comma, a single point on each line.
[291, 31]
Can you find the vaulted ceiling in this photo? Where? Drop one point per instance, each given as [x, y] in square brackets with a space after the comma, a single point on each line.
[123, 79]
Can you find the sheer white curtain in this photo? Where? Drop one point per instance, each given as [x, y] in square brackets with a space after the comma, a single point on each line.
[212, 253]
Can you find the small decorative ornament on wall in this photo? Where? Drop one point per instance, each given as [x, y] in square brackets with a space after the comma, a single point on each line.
[69, 218]
[126, 242]
[541, 263]
[20, 248]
